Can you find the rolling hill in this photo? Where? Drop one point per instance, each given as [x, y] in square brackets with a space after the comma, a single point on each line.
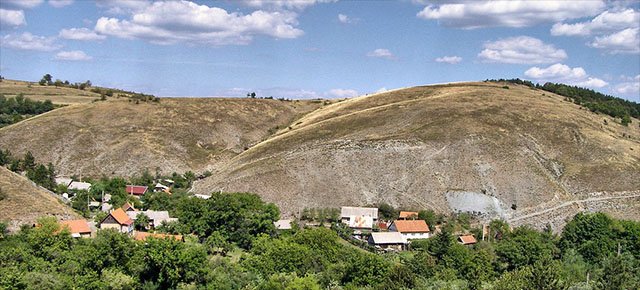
[511, 152]
[57, 95]
[122, 138]
[24, 202]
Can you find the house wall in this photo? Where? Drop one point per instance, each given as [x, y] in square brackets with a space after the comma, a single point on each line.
[105, 226]
[415, 236]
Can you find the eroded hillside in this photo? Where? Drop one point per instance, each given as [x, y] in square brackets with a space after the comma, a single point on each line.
[445, 147]
[122, 138]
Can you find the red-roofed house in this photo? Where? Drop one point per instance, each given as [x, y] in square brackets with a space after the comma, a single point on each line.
[411, 229]
[119, 220]
[467, 240]
[136, 190]
[78, 228]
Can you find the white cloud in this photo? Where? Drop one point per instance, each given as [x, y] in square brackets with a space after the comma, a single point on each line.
[382, 53]
[80, 34]
[563, 73]
[344, 18]
[174, 22]
[28, 41]
[512, 13]
[60, 3]
[521, 50]
[449, 59]
[629, 88]
[342, 93]
[12, 17]
[284, 4]
[381, 90]
[625, 41]
[74, 55]
[20, 4]
[122, 6]
[605, 22]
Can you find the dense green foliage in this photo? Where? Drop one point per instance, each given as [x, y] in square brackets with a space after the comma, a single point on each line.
[594, 101]
[316, 258]
[39, 173]
[13, 110]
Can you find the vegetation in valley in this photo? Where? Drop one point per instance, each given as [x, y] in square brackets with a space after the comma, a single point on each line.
[16, 109]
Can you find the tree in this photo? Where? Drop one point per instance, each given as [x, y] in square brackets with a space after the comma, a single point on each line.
[387, 211]
[46, 80]
[626, 120]
[28, 162]
[142, 222]
[429, 216]
[620, 272]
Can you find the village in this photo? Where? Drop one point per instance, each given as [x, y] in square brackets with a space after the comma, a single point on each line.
[384, 235]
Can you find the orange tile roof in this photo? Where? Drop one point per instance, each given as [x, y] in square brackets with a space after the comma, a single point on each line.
[467, 239]
[121, 217]
[141, 236]
[408, 214]
[411, 226]
[76, 226]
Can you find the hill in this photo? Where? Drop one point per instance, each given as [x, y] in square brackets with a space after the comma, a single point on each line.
[501, 149]
[122, 138]
[24, 202]
[57, 95]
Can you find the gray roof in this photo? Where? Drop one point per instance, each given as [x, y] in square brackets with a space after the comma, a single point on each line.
[156, 216]
[383, 238]
[282, 224]
[349, 211]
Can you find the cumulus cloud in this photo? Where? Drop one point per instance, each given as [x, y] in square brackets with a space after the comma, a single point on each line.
[60, 3]
[80, 34]
[512, 13]
[174, 22]
[607, 21]
[28, 41]
[521, 50]
[449, 59]
[629, 88]
[563, 73]
[74, 55]
[12, 17]
[625, 41]
[612, 31]
[284, 4]
[382, 53]
[122, 6]
[342, 93]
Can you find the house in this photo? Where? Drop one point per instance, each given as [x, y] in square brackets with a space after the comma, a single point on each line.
[388, 240]
[77, 185]
[78, 228]
[141, 236]
[119, 220]
[408, 215]
[156, 218]
[136, 190]
[411, 229]
[128, 207]
[63, 181]
[467, 240]
[160, 187]
[359, 217]
[282, 225]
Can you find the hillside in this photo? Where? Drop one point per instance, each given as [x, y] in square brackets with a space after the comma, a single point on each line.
[24, 202]
[121, 138]
[470, 146]
[57, 95]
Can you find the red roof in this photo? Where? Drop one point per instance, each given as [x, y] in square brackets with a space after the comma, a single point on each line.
[136, 189]
[121, 217]
[408, 214]
[76, 226]
[411, 226]
[467, 239]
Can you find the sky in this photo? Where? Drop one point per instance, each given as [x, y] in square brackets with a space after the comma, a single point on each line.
[320, 48]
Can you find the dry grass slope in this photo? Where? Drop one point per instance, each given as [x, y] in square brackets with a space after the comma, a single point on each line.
[120, 138]
[414, 146]
[25, 202]
[57, 95]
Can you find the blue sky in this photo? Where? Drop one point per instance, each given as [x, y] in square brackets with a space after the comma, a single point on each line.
[320, 48]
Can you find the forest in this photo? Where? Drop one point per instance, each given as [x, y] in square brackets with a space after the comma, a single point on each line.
[16, 109]
[231, 243]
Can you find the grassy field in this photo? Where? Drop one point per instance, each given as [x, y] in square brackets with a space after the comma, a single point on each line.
[24, 202]
[57, 95]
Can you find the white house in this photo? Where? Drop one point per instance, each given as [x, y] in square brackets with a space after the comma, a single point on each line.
[359, 217]
[411, 229]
